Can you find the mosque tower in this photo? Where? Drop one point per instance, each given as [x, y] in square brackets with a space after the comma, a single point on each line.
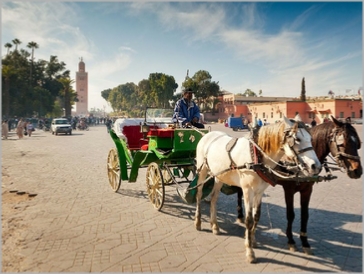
[82, 89]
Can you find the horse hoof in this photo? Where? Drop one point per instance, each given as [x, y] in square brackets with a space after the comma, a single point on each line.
[292, 247]
[251, 259]
[216, 231]
[307, 250]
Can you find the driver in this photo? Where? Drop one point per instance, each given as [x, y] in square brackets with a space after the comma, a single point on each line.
[187, 109]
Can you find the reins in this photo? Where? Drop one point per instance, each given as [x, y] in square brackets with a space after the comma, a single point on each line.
[252, 166]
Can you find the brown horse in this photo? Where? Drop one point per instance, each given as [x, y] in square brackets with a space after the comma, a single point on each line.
[342, 141]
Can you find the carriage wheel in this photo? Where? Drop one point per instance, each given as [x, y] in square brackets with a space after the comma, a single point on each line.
[113, 169]
[155, 185]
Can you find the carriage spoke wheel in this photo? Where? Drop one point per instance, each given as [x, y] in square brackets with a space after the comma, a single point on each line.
[155, 185]
[113, 170]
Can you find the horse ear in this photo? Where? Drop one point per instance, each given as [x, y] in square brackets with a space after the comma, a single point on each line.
[287, 122]
[336, 122]
[298, 118]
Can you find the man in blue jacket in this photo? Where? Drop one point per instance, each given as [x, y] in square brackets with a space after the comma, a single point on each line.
[187, 110]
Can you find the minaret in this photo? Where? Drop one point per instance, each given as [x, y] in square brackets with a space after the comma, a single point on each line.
[82, 89]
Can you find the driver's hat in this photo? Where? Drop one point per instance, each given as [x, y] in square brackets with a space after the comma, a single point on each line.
[187, 90]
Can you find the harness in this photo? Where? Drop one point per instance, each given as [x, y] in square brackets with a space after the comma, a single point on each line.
[265, 172]
[336, 142]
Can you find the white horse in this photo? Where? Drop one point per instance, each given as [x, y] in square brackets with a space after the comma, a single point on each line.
[235, 166]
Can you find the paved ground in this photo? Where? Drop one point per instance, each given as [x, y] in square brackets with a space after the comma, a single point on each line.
[76, 223]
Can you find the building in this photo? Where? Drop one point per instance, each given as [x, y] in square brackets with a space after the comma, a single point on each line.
[318, 109]
[273, 108]
[82, 90]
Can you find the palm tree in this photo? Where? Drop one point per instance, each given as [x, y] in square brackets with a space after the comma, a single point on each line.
[8, 46]
[68, 94]
[16, 42]
[32, 45]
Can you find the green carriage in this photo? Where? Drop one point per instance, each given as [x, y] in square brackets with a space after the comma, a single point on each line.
[167, 150]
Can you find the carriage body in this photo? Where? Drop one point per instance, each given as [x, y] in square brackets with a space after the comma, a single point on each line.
[167, 151]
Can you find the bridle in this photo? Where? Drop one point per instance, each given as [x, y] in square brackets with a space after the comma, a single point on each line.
[291, 139]
[337, 148]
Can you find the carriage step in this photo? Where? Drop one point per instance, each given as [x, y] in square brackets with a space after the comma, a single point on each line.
[163, 152]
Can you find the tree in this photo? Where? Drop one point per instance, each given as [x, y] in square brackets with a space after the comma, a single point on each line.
[7, 71]
[32, 45]
[303, 90]
[249, 93]
[16, 42]
[205, 89]
[162, 87]
[8, 46]
[105, 94]
[67, 93]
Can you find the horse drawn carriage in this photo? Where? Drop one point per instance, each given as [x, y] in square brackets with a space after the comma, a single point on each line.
[166, 149]
[173, 154]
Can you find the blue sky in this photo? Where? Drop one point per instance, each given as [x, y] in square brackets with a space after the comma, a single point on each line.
[257, 45]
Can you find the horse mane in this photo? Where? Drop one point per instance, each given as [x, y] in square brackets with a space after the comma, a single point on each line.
[270, 137]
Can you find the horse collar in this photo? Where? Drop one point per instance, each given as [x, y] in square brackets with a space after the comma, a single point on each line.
[259, 168]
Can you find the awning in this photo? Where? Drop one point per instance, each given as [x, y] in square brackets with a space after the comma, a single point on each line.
[325, 111]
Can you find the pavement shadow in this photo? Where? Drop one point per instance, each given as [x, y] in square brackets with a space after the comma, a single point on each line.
[329, 239]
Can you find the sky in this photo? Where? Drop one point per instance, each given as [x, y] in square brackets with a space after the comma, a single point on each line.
[268, 46]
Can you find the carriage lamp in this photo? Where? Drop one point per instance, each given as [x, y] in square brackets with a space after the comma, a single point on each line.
[144, 128]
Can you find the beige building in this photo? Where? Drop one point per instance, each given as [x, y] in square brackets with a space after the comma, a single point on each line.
[82, 90]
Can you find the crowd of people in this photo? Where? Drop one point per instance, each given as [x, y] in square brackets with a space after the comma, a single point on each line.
[25, 127]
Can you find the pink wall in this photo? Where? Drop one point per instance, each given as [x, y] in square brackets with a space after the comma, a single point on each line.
[272, 111]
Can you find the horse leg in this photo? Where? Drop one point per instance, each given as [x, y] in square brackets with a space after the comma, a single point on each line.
[248, 201]
[289, 191]
[201, 178]
[256, 216]
[213, 212]
[305, 200]
[239, 208]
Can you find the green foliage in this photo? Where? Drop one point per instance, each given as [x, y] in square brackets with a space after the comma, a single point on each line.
[303, 90]
[249, 93]
[206, 91]
[30, 87]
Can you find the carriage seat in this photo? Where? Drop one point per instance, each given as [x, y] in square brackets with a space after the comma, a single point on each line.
[161, 132]
[134, 137]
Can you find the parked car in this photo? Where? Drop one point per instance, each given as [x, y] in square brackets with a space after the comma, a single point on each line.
[236, 123]
[61, 125]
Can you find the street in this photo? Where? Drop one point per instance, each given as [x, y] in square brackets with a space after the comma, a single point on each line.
[69, 219]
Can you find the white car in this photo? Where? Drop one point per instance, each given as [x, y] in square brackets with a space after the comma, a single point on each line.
[61, 125]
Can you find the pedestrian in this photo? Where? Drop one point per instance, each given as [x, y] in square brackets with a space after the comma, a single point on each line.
[108, 124]
[30, 128]
[20, 128]
[5, 129]
[260, 123]
[187, 111]
[313, 123]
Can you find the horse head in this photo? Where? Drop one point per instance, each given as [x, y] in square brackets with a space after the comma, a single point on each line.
[344, 146]
[297, 146]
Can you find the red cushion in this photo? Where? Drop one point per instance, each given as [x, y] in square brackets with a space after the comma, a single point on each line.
[165, 132]
[144, 147]
[133, 135]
